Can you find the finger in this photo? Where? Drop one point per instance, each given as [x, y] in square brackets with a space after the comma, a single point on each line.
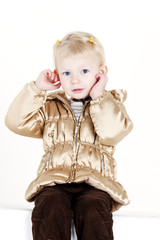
[98, 77]
[48, 73]
[55, 86]
[54, 79]
[52, 76]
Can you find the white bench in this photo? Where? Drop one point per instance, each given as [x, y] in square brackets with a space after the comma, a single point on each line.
[16, 224]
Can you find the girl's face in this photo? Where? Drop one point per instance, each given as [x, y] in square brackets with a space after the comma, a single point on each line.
[78, 73]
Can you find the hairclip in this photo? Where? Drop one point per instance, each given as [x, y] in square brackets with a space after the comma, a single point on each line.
[58, 41]
[91, 40]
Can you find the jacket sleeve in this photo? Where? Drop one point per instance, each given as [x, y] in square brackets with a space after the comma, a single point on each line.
[26, 115]
[109, 117]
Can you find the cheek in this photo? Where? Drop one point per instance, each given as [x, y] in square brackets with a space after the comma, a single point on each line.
[64, 83]
[62, 80]
[91, 82]
[94, 80]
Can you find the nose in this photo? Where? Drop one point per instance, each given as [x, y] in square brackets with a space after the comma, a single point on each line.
[75, 79]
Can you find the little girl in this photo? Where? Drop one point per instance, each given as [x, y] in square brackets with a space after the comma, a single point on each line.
[80, 127]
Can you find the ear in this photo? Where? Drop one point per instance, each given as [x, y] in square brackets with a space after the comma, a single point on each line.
[103, 69]
[56, 73]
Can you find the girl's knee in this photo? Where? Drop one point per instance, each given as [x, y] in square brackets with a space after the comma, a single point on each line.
[51, 202]
[95, 202]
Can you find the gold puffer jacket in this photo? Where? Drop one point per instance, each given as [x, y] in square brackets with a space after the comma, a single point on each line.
[79, 156]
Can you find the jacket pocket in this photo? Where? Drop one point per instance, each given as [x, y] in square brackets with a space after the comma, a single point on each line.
[51, 134]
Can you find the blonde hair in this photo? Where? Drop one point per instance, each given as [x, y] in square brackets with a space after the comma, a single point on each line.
[78, 43]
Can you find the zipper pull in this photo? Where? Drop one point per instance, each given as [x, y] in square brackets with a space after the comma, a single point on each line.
[76, 129]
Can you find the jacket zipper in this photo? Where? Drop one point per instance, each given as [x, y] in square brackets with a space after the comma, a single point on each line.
[76, 136]
[77, 122]
[77, 128]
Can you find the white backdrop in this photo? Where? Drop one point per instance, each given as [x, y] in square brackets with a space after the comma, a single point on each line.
[130, 33]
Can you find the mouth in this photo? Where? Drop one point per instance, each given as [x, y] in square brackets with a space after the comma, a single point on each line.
[77, 90]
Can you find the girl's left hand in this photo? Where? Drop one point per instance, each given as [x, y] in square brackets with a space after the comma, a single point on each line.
[99, 87]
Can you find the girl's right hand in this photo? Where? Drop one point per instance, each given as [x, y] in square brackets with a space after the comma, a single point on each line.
[48, 80]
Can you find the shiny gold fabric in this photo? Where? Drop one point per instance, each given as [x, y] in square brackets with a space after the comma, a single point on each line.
[103, 123]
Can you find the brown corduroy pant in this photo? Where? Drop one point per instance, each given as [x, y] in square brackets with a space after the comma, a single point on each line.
[56, 206]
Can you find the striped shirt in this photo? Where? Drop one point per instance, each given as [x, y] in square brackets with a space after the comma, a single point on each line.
[77, 106]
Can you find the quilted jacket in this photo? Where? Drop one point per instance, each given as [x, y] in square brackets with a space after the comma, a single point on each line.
[74, 151]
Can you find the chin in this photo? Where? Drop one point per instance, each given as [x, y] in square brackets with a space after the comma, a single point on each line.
[77, 95]
[80, 96]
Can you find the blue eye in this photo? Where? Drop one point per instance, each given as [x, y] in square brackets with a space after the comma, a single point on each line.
[67, 73]
[85, 71]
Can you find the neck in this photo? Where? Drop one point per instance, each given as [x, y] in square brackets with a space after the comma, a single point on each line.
[81, 99]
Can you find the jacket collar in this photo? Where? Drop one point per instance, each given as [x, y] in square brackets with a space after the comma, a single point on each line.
[118, 94]
[60, 95]
[63, 97]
